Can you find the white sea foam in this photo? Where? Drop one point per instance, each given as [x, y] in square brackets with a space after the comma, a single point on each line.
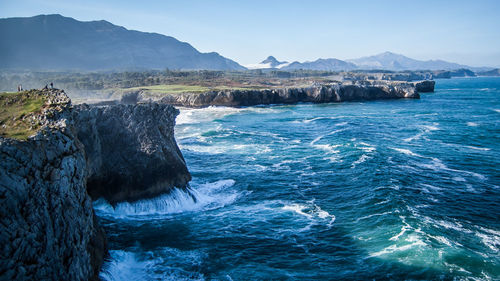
[327, 147]
[437, 165]
[423, 130]
[325, 118]
[207, 114]
[366, 147]
[127, 265]
[404, 228]
[206, 196]
[395, 248]
[472, 124]
[311, 212]
[496, 110]
[361, 159]
[406, 151]
[322, 136]
[375, 215]
[490, 238]
[478, 148]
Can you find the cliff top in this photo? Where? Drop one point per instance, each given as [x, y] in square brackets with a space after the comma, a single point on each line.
[22, 114]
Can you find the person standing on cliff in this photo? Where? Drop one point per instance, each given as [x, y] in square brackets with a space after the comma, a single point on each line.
[51, 85]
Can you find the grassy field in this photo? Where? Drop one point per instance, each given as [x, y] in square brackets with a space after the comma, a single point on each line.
[179, 88]
[172, 89]
[15, 112]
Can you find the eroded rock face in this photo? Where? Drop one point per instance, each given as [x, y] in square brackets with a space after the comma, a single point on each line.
[131, 151]
[48, 230]
[315, 94]
[425, 86]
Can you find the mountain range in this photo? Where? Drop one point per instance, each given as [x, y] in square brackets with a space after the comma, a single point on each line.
[55, 42]
[385, 61]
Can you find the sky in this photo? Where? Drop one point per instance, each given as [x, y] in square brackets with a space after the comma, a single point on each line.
[466, 32]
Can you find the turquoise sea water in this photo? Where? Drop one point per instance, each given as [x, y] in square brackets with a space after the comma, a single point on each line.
[401, 189]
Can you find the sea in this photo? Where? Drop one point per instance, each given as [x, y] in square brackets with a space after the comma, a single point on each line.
[381, 190]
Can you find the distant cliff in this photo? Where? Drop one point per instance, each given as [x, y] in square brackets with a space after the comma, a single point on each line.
[315, 94]
[48, 230]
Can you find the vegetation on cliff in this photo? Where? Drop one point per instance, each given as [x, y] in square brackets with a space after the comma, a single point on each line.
[18, 113]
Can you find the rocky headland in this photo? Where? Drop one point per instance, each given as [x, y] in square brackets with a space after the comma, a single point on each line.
[131, 150]
[48, 228]
[317, 93]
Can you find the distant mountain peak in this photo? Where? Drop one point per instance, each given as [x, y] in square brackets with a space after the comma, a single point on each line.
[272, 61]
[269, 62]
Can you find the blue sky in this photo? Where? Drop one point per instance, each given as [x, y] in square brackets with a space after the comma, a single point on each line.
[466, 32]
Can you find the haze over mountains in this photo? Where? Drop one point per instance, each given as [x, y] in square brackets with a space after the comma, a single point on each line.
[385, 61]
[54, 42]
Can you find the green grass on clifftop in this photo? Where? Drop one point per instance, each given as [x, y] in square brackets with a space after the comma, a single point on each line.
[16, 112]
[179, 88]
[173, 89]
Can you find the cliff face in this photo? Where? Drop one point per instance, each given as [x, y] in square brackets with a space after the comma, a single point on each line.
[426, 86]
[315, 94]
[130, 150]
[48, 230]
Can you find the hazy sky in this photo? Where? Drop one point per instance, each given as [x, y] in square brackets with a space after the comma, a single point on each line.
[466, 32]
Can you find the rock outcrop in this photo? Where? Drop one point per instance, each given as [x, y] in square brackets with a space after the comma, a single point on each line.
[131, 151]
[315, 94]
[425, 86]
[48, 230]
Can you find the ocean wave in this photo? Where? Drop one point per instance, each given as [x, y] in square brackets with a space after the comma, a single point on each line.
[375, 215]
[366, 147]
[307, 121]
[322, 136]
[207, 114]
[206, 196]
[478, 148]
[361, 159]
[312, 211]
[163, 264]
[437, 165]
[395, 248]
[490, 238]
[472, 124]
[424, 129]
[406, 151]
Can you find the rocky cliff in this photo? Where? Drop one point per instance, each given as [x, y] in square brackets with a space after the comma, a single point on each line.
[131, 151]
[48, 230]
[316, 94]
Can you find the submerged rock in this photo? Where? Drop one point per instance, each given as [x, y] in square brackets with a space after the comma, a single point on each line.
[48, 230]
[131, 151]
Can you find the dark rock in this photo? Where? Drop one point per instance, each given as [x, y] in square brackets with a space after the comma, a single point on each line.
[425, 86]
[48, 230]
[131, 151]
